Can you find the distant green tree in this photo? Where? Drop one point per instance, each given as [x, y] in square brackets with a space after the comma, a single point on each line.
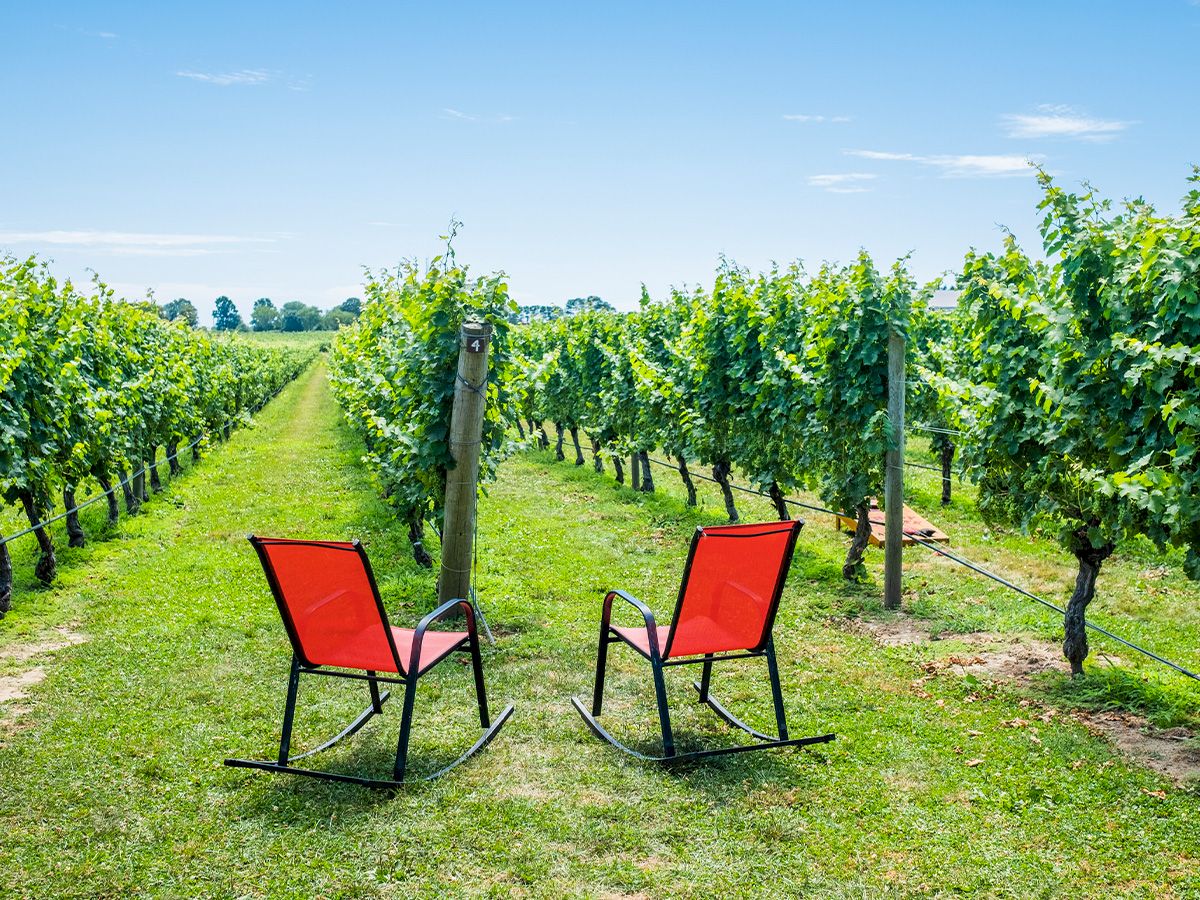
[180, 309]
[297, 316]
[582, 304]
[226, 316]
[352, 305]
[264, 316]
[336, 318]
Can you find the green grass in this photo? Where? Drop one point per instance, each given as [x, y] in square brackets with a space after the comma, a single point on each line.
[111, 783]
[302, 339]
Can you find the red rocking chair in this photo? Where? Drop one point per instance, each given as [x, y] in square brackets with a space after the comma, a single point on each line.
[726, 609]
[330, 605]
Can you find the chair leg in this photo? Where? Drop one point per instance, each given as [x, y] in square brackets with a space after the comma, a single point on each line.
[373, 687]
[289, 712]
[410, 696]
[601, 665]
[705, 677]
[664, 715]
[776, 692]
[485, 720]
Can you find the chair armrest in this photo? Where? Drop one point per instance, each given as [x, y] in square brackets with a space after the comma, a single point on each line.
[441, 612]
[647, 616]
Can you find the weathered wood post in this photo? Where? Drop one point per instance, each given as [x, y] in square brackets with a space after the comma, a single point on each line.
[893, 492]
[466, 430]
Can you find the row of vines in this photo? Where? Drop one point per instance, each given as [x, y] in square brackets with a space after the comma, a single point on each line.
[781, 375]
[93, 388]
[1072, 383]
[393, 373]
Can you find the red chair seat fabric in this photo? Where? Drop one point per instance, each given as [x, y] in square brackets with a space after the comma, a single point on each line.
[329, 602]
[364, 650]
[639, 637]
[711, 636]
[435, 646]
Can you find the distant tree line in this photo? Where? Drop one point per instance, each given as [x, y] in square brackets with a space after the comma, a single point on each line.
[539, 312]
[292, 316]
[297, 316]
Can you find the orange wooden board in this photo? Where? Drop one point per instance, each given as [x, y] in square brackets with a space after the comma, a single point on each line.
[913, 522]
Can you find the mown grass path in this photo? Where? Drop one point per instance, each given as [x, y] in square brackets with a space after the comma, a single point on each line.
[111, 782]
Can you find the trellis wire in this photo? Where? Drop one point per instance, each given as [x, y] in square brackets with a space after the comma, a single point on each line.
[935, 430]
[939, 550]
[128, 480]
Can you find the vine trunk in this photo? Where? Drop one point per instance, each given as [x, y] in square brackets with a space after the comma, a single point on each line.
[721, 475]
[1075, 644]
[647, 476]
[687, 482]
[75, 535]
[853, 566]
[47, 565]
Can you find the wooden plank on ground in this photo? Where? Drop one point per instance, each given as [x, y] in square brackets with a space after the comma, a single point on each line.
[913, 523]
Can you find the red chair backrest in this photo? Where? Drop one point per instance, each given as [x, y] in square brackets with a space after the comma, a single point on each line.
[329, 602]
[731, 588]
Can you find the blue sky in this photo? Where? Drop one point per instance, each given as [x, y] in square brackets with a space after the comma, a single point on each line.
[275, 149]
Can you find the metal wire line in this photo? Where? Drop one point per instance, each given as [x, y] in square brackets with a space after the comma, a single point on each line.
[124, 481]
[940, 550]
[936, 430]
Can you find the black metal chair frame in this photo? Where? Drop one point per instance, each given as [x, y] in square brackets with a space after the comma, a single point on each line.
[284, 763]
[659, 661]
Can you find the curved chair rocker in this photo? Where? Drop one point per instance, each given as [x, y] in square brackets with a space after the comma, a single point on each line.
[330, 605]
[726, 610]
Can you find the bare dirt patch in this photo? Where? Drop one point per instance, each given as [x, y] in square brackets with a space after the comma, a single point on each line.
[59, 638]
[1172, 752]
[1001, 657]
[16, 687]
[899, 632]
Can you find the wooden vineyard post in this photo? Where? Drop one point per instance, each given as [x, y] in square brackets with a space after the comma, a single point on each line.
[466, 430]
[893, 492]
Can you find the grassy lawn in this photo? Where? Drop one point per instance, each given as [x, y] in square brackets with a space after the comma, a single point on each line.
[111, 783]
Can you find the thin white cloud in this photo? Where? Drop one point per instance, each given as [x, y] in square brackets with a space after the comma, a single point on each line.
[1052, 121]
[982, 165]
[103, 35]
[880, 154]
[132, 243]
[459, 115]
[802, 117]
[225, 79]
[842, 182]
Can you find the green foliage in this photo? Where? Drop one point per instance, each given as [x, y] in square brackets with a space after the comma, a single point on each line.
[394, 374]
[853, 312]
[932, 351]
[264, 316]
[225, 315]
[780, 374]
[586, 304]
[297, 316]
[181, 309]
[113, 787]
[1079, 375]
[536, 312]
[89, 385]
